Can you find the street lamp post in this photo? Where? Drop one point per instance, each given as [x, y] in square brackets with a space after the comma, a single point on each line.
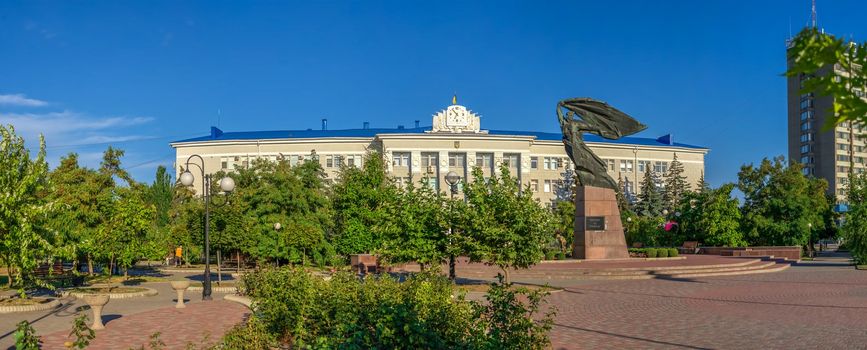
[452, 178]
[227, 185]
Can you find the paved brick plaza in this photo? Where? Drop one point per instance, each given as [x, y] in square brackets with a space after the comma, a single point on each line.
[809, 306]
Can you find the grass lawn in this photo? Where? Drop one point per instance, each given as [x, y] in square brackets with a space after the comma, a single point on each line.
[861, 267]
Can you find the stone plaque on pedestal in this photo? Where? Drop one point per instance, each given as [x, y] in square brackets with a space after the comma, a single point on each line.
[598, 229]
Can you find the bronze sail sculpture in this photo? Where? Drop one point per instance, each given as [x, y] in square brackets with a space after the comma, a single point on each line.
[596, 117]
[598, 229]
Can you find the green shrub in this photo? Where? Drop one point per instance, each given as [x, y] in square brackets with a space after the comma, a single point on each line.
[672, 252]
[651, 252]
[561, 256]
[662, 253]
[26, 338]
[549, 255]
[302, 311]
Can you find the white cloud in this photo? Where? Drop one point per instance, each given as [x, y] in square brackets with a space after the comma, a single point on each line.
[72, 128]
[20, 100]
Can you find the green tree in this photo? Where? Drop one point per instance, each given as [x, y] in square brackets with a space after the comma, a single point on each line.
[855, 226]
[675, 185]
[75, 195]
[130, 217]
[564, 225]
[781, 205]
[649, 200]
[506, 227]
[23, 211]
[360, 200]
[712, 217]
[832, 66]
[294, 197]
[419, 230]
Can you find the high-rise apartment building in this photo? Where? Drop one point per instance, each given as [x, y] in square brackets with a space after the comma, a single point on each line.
[831, 154]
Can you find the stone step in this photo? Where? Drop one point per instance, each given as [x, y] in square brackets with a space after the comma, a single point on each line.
[777, 267]
[690, 271]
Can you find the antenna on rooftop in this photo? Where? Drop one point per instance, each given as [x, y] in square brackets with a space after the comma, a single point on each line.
[813, 15]
[219, 115]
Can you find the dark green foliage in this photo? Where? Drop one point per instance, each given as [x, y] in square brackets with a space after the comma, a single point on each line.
[781, 205]
[662, 253]
[301, 311]
[25, 337]
[561, 256]
[649, 200]
[360, 200]
[675, 185]
[855, 227]
[672, 252]
[651, 252]
[645, 230]
[813, 53]
[81, 333]
[564, 224]
[711, 216]
[505, 227]
[251, 335]
[549, 255]
[418, 228]
[23, 209]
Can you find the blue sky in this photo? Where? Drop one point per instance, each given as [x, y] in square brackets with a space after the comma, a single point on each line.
[140, 74]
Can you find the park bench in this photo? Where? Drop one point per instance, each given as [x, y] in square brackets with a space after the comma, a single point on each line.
[689, 247]
[364, 263]
[55, 273]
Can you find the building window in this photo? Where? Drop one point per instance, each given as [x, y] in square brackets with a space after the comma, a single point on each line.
[457, 160]
[807, 171]
[806, 160]
[842, 158]
[805, 149]
[400, 159]
[534, 162]
[626, 166]
[512, 160]
[842, 135]
[842, 147]
[224, 163]
[353, 160]
[534, 185]
[485, 160]
[610, 164]
[805, 126]
[553, 163]
[842, 169]
[643, 165]
[806, 103]
[660, 167]
[547, 186]
[429, 162]
[806, 137]
[431, 182]
[806, 115]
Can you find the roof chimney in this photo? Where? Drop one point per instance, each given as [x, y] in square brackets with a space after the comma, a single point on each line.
[366, 125]
[416, 123]
[666, 139]
[216, 132]
[324, 124]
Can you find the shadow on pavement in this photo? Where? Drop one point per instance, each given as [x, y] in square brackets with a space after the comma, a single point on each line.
[628, 337]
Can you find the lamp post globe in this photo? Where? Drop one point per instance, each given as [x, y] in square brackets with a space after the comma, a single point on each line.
[227, 184]
[452, 178]
[187, 178]
[277, 226]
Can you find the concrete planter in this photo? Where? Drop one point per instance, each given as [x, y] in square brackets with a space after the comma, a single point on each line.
[47, 305]
[180, 287]
[96, 302]
[141, 292]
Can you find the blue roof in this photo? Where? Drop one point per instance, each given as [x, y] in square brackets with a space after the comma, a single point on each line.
[219, 135]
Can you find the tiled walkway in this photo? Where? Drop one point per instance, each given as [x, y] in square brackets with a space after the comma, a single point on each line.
[814, 305]
[198, 323]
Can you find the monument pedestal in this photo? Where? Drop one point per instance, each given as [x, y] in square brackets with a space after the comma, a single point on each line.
[598, 229]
